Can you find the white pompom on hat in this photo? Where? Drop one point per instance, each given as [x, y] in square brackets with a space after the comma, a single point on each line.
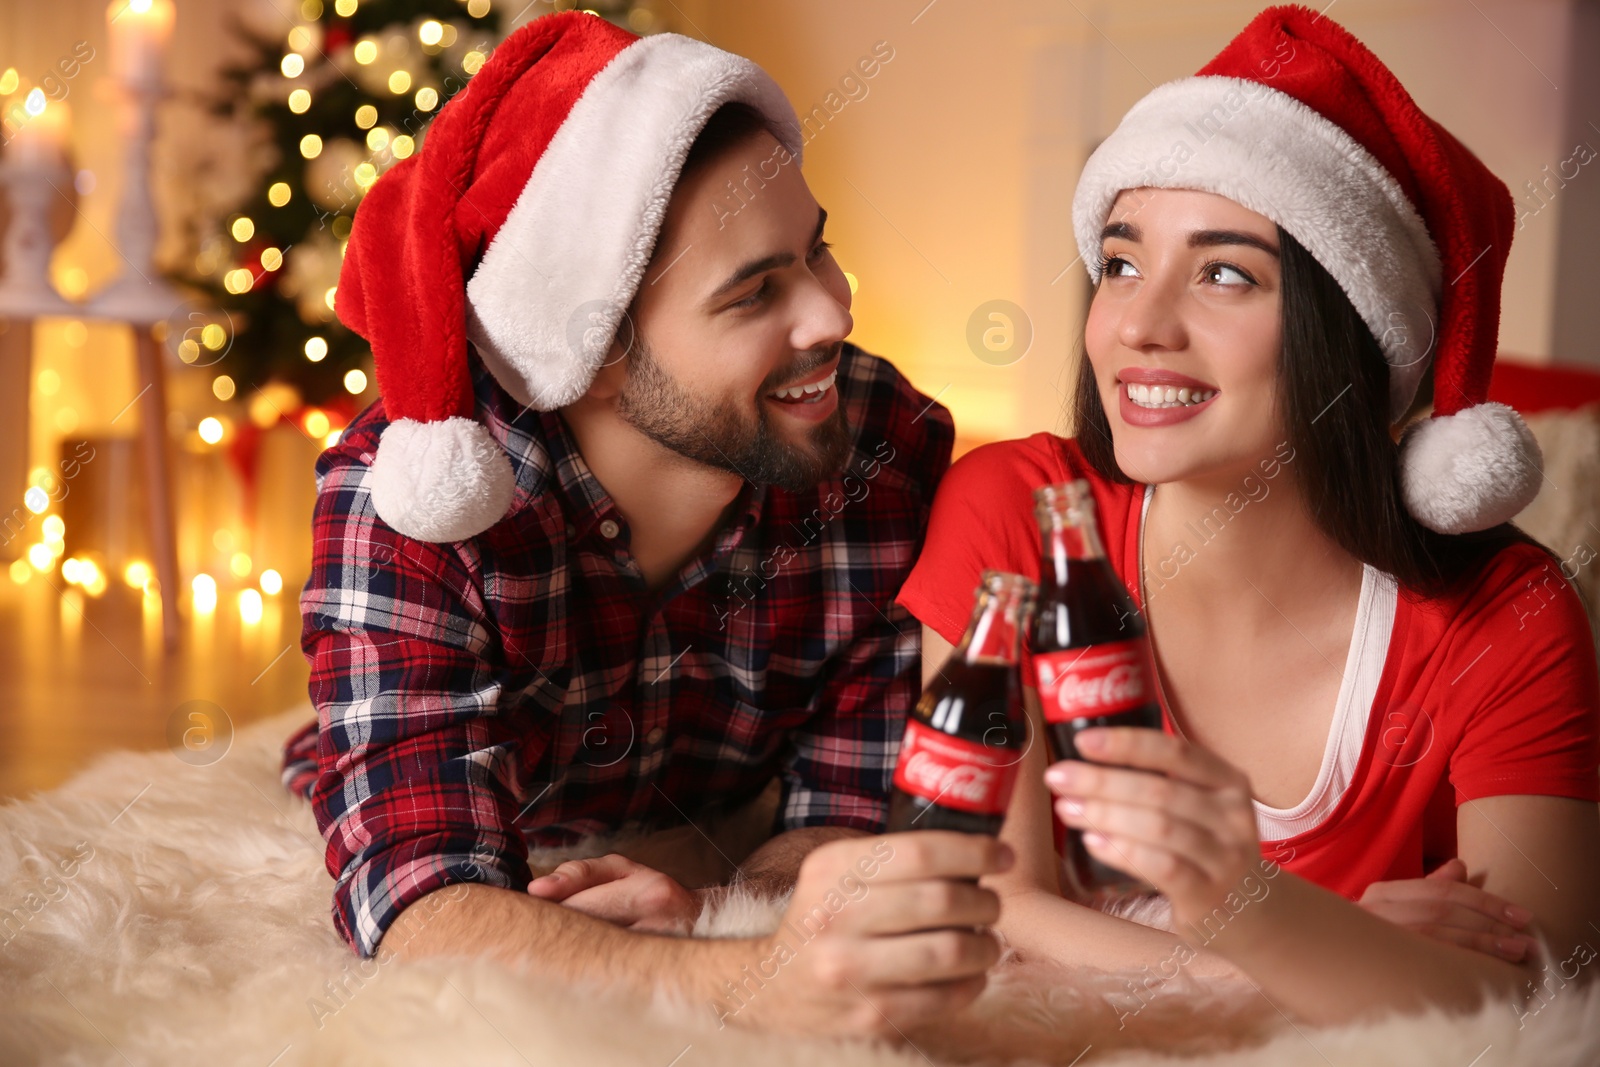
[524, 224]
[1298, 121]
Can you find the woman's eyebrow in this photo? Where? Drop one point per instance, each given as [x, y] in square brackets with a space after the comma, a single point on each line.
[1197, 239]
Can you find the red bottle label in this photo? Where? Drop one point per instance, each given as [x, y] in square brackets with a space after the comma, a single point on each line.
[954, 772]
[1082, 683]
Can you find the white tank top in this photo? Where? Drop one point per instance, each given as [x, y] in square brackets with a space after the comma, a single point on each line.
[1369, 649]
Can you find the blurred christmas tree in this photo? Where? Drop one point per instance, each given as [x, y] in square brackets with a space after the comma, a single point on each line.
[333, 101]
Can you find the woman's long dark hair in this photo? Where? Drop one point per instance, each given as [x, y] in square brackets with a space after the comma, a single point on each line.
[1334, 403]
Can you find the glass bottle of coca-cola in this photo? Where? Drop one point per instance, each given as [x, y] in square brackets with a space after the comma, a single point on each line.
[1091, 657]
[966, 735]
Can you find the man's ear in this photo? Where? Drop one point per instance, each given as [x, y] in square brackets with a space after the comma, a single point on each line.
[613, 373]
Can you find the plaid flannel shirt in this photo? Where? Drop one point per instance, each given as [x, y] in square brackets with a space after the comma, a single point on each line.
[525, 686]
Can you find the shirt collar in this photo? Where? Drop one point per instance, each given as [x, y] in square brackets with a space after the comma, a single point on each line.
[544, 457]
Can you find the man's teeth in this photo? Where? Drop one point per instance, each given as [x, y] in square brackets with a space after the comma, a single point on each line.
[1165, 396]
[800, 392]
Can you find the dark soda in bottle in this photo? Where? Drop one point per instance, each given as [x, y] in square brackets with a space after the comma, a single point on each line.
[1091, 657]
[968, 732]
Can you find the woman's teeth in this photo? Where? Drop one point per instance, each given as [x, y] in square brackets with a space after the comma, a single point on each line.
[1165, 396]
[811, 393]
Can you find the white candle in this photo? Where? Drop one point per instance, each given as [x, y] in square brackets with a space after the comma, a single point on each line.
[44, 133]
[139, 30]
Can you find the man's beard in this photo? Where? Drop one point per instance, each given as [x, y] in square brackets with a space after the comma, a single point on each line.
[719, 434]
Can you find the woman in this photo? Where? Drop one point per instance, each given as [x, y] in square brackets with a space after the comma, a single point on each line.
[1359, 688]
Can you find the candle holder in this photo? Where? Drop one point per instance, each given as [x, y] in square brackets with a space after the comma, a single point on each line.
[26, 292]
[140, 295]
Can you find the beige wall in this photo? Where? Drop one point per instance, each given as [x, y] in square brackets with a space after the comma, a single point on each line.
[950, 183]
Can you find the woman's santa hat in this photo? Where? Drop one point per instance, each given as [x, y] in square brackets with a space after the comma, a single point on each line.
[1296, 120]
[524, 224]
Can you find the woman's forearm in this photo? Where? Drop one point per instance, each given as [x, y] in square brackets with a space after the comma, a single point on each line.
[1324, 959]
[1042, 924]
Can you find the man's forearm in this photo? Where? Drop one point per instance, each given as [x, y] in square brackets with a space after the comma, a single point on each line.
[772, 868]
[538, 936]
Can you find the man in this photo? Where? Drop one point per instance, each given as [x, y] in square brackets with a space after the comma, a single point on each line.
[602, 572]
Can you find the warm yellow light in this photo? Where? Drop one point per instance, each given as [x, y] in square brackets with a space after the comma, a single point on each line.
[366, 52]
[300, 36]
[49, 382]
[240, 564]
[204, 589]
[293, 65]
[332, 438]
[300, 101]
[210, 430]
[403, 146]
[854, 283]
[311, 146]
[400, 82]
[69, 570]
[41, 557]
[355, 381]
[377, 138]
[54, 529]
[427, 98]
[271, 582]
[365, 174]
[344, 8]
[138, 574]
[8, 81]
[20, 571]
[278, 195]
[213, 336]
[250, 606]
[243, 229]
[473, 60]
[222, 387]
[36, 499]
[430, 32]
[238, 280]
[327, 298]
[91, 577]
[271, 258]
[477, 8]
[316, 423]
[366, 116]
[316, 349]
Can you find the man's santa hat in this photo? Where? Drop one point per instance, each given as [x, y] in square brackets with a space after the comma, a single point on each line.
[1296, 120]
[524, 224]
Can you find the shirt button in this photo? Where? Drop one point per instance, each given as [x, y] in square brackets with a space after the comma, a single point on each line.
[608, 528]
[655, 736]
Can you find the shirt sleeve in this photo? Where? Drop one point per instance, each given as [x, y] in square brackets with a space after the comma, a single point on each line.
[982, 519]
[413, 754]
[1537, 729]
[839, 767]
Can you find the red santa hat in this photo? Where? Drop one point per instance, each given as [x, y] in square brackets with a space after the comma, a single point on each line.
[1298, 121]
[524, 224]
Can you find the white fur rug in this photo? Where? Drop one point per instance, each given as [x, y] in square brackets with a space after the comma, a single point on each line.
[153, 912]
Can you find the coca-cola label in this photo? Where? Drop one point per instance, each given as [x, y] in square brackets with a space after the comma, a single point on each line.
[1084, 683]
[954, 772]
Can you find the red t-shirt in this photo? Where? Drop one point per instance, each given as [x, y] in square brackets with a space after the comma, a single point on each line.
[1488, 692]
